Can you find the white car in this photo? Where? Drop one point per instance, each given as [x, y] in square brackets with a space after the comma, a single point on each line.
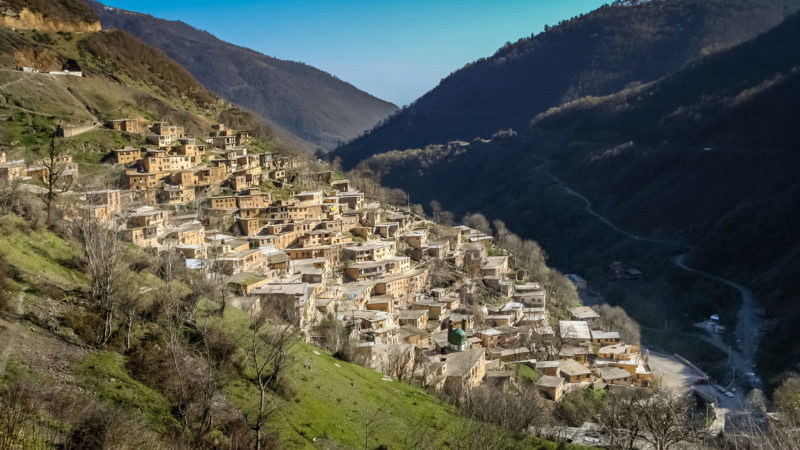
[729, 394]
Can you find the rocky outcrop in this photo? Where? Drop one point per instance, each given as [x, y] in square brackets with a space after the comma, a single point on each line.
[41, 59]
[28, 20]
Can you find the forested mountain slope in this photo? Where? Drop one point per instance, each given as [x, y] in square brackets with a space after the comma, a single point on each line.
[598, 53]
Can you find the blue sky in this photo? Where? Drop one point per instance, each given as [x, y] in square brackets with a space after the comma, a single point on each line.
[396, 50]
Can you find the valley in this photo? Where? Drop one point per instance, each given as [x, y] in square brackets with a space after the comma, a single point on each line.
[748, 325]
[584, 240]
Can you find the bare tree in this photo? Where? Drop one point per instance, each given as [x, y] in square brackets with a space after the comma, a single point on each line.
[220, 284]
[400, 361]
[664, 420]
[129, 307]
[417, 434]
[614, 318]
[446, 218]
[436, 210]
[105, 256]
[54, 178]
[474, 434]
[561, 293]
[176, 314]
[270, 344]
[176, 317]
[372, 420]
[619, 417]
[216, 349]
[479, 222]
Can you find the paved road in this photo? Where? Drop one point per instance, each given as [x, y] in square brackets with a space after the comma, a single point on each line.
[749, 321]
[13, 333]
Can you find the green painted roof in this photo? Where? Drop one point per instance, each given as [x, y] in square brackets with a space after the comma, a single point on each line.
[456, 336]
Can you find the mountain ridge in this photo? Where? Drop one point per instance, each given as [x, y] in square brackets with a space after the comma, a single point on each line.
[310, 103]
[597, 53]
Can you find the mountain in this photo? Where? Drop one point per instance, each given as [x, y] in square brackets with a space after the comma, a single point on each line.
[706, 156]
[598, 53]
[310, 103]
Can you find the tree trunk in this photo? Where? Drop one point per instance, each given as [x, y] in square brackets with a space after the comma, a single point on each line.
[107, 327]
[128, 334]
[260, 417]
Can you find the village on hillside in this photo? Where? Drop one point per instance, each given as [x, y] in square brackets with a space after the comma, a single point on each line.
[441, 305]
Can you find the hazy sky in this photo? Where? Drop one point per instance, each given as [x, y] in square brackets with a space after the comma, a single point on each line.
[396, 50]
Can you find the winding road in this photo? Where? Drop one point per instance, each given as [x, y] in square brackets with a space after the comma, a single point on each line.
[749, 321]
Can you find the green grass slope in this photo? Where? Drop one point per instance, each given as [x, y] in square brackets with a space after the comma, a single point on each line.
[122, 78]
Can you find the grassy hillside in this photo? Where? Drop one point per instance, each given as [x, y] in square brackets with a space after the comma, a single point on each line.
[598, 53]
[310, 103]
[122, 78]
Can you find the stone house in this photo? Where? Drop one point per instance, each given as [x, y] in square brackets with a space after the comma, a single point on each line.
[242, 261]
[228, 203]
[176, 195]
[126, 155]
[435, 310]
[605, 338]
[143, 236]
[402, 285]
[371, 251]
[574, 331]
[415, 317]
[615, 375]
[294, 302]
[551, 385]
[165, 129]
[191, 233]
[573, 371]
[495, 266]
[167, 163]
[126, 125]
[465, 370]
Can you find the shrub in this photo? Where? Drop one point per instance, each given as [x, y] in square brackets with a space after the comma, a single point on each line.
[85, 324]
